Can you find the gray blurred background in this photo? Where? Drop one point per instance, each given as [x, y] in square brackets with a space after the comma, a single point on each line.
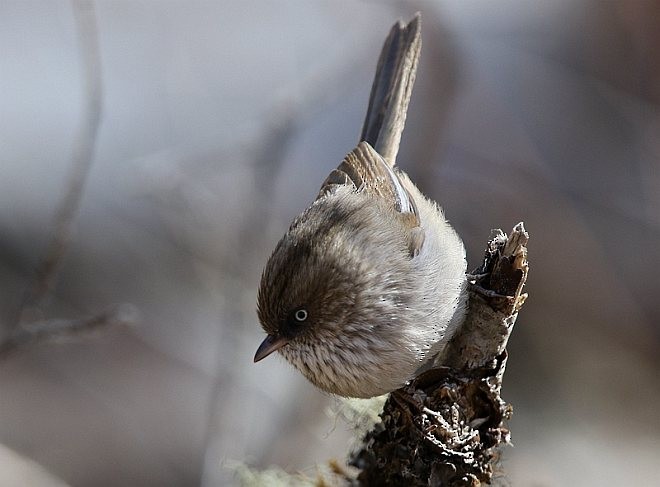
[219, 122]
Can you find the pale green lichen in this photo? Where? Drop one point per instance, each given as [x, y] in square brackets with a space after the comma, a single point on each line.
[360, 415]
[326, 476]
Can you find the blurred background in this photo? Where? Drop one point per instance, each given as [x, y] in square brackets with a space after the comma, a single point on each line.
[217, 123]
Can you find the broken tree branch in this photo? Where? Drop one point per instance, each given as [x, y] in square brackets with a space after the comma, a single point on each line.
[446, 427]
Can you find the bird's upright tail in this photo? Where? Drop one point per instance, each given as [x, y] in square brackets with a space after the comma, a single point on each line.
[391, 89]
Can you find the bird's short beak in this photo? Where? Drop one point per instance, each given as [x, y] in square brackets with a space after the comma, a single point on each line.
[268, 346]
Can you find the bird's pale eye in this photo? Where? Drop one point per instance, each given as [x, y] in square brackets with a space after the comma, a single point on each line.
[300, 315]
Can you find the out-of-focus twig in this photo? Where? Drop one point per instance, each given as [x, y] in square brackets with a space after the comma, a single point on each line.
[25, 329]
[62, 329]
[83, 154]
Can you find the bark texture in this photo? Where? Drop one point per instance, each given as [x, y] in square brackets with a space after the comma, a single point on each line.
[446, 428]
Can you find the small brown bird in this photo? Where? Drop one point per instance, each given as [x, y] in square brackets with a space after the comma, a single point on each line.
[368, 283]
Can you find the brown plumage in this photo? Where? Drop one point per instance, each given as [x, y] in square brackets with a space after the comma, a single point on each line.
[367, 285]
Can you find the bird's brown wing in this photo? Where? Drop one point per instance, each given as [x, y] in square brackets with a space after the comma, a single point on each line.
[369, 168]
[366, 172]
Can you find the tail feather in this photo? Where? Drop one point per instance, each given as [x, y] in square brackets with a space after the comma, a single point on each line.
[392, 88]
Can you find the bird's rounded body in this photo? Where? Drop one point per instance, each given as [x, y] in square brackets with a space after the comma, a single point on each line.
[376, 313]
[368, 284]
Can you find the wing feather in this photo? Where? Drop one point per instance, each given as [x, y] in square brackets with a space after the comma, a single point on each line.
[366, 172]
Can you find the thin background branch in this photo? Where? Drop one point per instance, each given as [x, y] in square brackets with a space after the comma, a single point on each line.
[27, 328]
[83, 155]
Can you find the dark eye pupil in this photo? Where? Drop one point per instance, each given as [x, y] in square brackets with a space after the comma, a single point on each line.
[300, 315]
